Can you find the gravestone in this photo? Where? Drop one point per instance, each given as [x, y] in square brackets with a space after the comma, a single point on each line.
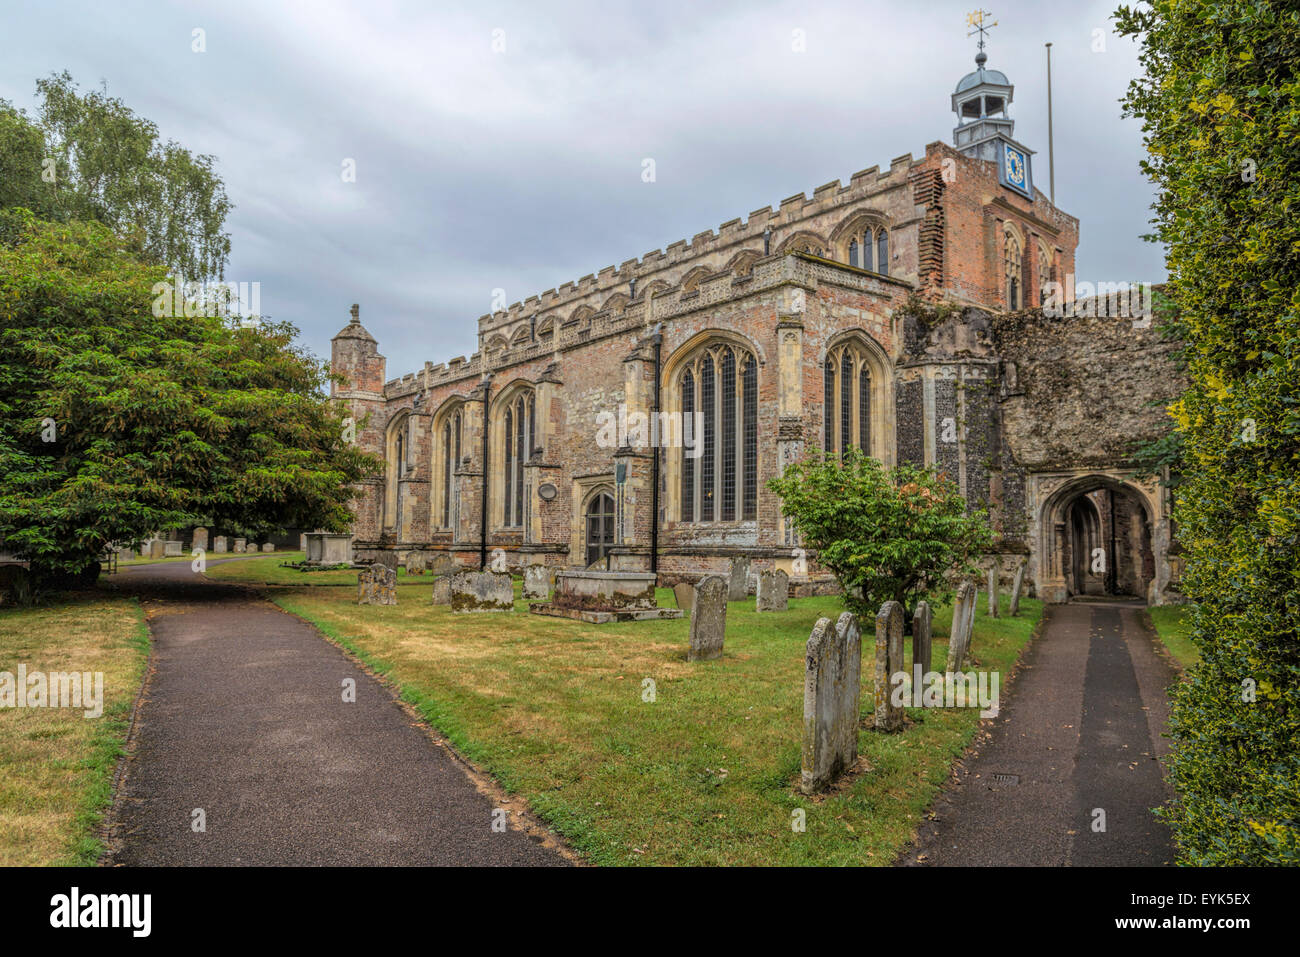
[416, 562]
[388, 559]
[708, 619]
[219, 544]
[441, 563]
[831, 690]
[994, 571]
[200, 539]
[773, 592]
[173, 549]
[889, 662]
[302, 542]
[268, 547]
[442, 590]
[738, 583]
[684, 592]
[482, 591]
[921, 638]
[537, 582]
[1015, 588]
[963, 622]
[157, 548]
[377, 585]
[241, 545]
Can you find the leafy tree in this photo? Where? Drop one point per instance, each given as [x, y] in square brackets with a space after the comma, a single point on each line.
[886, 534]
[1220, 105]
[22, 151]
[115, 422]
[109, 165]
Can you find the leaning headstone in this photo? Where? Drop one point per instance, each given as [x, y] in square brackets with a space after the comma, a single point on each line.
[538, 580]
[832, 687]
[963, 621]
[241, 545]
[219, 544]
[442, 590]
[994, 571]
[889, 662]
[268, 547]
[773, 592]
[157, 548]
[1015, 588]
[482, 591]
[377, 585]
[921, 638]
[200, 538]
[684, 592]
[708, 619]
[738, 583]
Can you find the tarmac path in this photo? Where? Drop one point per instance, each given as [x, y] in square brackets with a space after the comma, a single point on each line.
[1080, 734]
[243, 717]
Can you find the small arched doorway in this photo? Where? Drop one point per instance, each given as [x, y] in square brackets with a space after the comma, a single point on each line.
[600, 528]
[1097, 540]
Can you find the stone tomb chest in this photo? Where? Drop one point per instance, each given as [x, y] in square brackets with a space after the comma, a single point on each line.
[325, 548]
[600, 597]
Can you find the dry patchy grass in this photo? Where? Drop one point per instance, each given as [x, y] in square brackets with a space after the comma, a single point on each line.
[56, 766]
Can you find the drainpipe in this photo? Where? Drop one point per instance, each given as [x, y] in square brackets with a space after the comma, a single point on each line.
[483, 512]
[654, 468]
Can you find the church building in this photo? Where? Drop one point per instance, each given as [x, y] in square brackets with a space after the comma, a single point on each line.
[631, 419]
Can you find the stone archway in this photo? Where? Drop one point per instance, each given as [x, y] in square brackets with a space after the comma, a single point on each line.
[1100, 534]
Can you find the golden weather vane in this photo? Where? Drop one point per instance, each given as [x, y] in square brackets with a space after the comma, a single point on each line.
[976, 19]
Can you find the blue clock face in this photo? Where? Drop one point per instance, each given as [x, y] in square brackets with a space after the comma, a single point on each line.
[1013, 171]
[1015, 163]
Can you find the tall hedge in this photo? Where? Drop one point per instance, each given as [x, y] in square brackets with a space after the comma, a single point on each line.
[1220, 105]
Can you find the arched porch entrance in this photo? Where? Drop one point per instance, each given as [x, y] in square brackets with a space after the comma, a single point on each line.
[1098, 536]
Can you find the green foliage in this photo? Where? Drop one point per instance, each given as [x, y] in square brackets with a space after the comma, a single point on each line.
[109, 165]
[156, 421]
[1220, 104]
[886, 534]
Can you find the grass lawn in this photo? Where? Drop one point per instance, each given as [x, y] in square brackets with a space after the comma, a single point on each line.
[271, 558]
[56, 765]
[1173, 623]
[268, 571]
[707, 772]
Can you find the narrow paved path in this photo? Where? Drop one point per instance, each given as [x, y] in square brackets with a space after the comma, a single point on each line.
[1081, 732]
[244, 718]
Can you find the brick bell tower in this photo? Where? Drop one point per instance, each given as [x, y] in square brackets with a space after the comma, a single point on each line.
[354, 354]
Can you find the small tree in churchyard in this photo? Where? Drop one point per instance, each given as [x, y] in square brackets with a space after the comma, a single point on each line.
[885, 533]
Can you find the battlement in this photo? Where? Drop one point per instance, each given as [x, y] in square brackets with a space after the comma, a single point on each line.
[593, 289]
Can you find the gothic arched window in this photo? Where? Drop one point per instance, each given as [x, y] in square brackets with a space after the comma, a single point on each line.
[396, 451]
[848, 399]
[1012, 271]
[450, 438]
[517, 449]
[868, 248]
[1046, 274]
[718, 386]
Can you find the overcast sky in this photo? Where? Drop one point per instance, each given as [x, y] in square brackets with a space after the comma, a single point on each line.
[521, 169]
